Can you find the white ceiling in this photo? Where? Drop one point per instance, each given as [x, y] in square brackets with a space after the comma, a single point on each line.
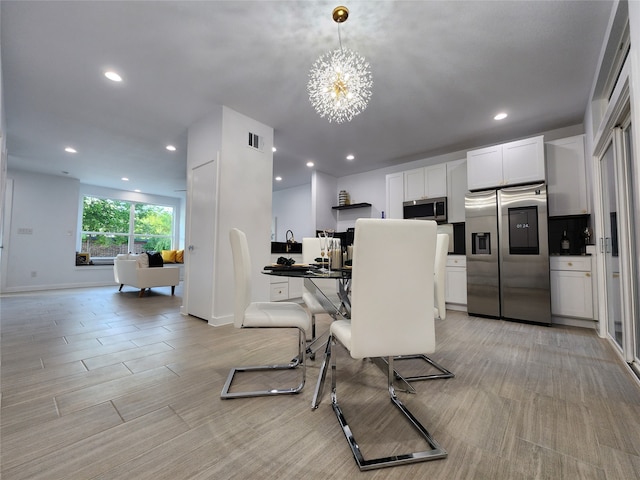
[441, 71]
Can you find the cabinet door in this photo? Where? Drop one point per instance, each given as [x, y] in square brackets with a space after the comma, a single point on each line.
[435, 180]
[523, 161]
[456, 285]
[456, 190]
[484, 168]
[566, 177]
[279, 291]
[414, 187]
[295, 287]
[395, 195]
[571, 294]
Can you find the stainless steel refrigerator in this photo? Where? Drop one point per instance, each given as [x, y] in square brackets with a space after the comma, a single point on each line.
[508, 254]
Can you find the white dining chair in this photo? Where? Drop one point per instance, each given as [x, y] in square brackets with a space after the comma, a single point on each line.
[439, 276]
[248, 314]
[439, 309]
[390, 315]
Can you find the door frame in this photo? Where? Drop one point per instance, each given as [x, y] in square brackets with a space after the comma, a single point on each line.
[617, 116]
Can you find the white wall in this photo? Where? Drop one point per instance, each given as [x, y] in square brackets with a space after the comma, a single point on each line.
[292, 209]
[324, 195]
[634, 55]
[245, 203]
[45, 209]
[3, 172]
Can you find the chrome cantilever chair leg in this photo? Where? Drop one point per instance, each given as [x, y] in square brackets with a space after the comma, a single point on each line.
[434, 453]
[295, 363]
[317, 394]
[444, 373]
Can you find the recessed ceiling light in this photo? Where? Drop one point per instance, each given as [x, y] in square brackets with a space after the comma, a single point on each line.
[278, 179]
[113, 76]
[310, 164]
[171, 148]
[500, 116]
[70, 150]
[273, 149]
[350, 157]
[124, 179]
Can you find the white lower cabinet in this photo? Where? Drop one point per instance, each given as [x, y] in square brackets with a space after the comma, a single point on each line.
[279, 290]
[456, 282]
[285, 288]
[571, 286]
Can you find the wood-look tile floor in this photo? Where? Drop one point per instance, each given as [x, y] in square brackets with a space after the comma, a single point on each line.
[98, 384]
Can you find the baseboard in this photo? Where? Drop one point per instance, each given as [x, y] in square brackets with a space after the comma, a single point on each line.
[457, 307]
[66, 286]
[574, 322]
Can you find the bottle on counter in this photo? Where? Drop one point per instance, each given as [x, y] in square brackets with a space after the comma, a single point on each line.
[565, 244]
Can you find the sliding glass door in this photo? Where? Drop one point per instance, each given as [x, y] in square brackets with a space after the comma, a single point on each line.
[609, 244]
[634, 176]
[619, 244]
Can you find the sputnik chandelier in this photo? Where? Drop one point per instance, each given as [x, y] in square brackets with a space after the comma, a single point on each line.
[340, 81]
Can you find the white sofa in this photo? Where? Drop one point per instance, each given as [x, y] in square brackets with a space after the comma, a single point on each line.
[131, 270]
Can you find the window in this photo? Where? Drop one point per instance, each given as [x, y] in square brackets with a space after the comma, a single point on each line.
[110, 227]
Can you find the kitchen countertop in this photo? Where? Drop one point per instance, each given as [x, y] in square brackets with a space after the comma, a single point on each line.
[286, 247]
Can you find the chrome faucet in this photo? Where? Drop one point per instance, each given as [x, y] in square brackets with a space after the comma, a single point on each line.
[289, 240]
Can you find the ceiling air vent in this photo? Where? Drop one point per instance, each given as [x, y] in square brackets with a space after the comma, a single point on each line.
[255, 141]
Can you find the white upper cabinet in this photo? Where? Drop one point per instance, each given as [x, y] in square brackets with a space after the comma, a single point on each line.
[425, 182]
[512, 163]
[435, 179]
[484, 168]
[523, 161]
[566, 176]
[414, 184]
[456, 190]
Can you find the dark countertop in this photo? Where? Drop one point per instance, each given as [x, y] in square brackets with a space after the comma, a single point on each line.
[286, 247]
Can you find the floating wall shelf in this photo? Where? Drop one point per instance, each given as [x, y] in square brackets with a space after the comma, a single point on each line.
[353, 205]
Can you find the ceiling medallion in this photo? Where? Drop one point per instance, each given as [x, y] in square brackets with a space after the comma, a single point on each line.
[340, 81]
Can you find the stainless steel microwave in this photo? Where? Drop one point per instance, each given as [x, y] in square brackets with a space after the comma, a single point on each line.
[426, 209]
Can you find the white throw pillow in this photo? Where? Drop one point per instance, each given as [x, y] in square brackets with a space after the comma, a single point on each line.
[143, 260]
[122, 256]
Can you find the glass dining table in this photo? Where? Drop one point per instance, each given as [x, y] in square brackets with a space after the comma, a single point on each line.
[340, 309]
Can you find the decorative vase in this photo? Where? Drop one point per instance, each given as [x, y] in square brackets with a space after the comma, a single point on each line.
[343, 198]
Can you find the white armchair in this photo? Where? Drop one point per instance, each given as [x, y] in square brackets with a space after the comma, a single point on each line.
[129, 272]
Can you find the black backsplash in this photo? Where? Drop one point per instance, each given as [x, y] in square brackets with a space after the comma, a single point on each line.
[458, 239]
[574, 225]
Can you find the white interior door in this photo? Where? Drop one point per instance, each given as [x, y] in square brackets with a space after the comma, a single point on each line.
[200, 251]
